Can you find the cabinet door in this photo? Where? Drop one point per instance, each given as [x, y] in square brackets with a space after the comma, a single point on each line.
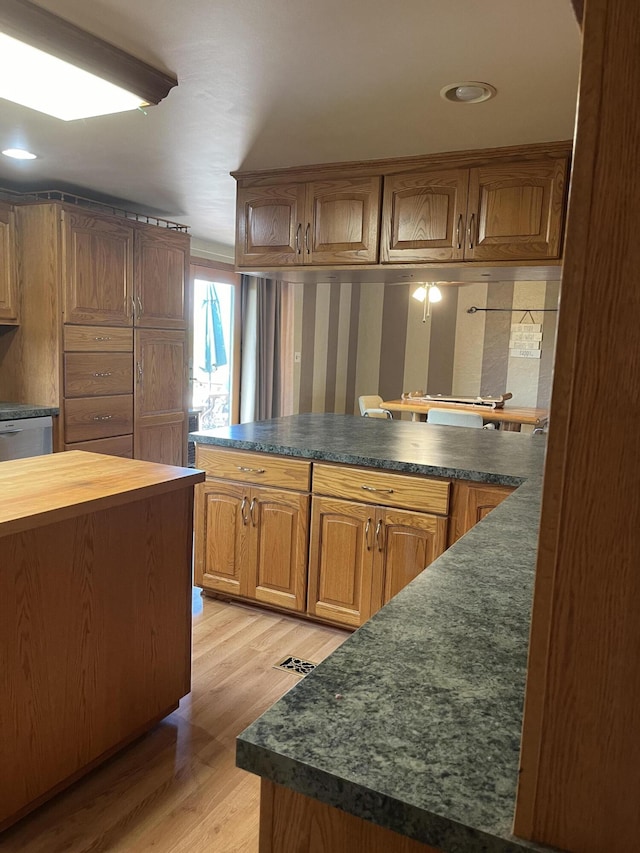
[341, 561]
[8, 280]
[480, 500]
[222, 537]
[160, 276]
[269, 228]
[423, 216]
[516, 211]
[99, 270]
[160, 427]
[279, 540]
[409, 542]
[342, 221]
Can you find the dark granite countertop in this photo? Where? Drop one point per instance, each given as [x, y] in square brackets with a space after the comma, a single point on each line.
[16, 411]
[414, 722]
[487, 456]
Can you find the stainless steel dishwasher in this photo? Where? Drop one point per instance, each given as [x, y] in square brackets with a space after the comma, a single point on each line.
[23, 437]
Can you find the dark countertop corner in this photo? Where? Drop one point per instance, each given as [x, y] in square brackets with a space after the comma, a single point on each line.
[16, 411]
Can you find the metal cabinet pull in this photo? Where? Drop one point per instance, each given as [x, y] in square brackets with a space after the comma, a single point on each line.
[102, 417]
[139, 366]
[366, 534]
[298, 234]
[251, 507]
[139, 307]
[250, 470]
[243, 506]
[470, 231]
[381, 491]
[104, 338]
[101, 375]
[306, 238]
[133, 307]
[379, 536]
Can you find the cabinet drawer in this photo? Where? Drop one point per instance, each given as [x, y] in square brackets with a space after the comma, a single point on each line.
[97, 339]
[88, 418]
[382, 487]
[97, 374]
[247, 467]
[121, 445]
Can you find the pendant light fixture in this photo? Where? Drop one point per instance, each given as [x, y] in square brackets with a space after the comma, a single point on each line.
[427, 293]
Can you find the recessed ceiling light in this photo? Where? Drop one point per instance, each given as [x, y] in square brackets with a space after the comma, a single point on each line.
[468, 93]
[19, 154]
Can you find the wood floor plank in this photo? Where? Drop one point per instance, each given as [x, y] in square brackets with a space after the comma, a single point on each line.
[177, 790]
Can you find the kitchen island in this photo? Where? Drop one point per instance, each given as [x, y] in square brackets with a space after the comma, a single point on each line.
[95, 617]
[413, 725]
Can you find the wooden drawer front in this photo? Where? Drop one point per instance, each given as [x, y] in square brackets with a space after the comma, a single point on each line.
[97, 374]
[97, 338]
[248, 467]
[382, 487]
[121, 445]
[88, 418]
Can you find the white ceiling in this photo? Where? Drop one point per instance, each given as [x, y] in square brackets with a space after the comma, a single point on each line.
[270, 83]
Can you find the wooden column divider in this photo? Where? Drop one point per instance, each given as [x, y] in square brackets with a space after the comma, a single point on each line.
[580, 777]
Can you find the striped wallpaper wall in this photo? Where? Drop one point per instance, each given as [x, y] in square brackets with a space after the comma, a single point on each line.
[358, 339]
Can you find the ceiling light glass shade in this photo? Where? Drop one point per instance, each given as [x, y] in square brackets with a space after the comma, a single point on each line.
[19, 154]
[470, 92]
[42, 82]
[420, 293]
[434, 292]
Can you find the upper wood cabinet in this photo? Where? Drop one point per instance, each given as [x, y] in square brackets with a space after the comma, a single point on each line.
[9, 303]
[160, 276]
[119, 275]
[423, 216]
[501, 205]
[319, 222]
[498, 212]
[98, 274]
[515, 211]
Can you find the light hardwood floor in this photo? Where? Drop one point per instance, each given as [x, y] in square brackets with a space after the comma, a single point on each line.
[177, 790]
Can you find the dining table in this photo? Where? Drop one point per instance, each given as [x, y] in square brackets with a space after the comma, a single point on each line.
[508, 418]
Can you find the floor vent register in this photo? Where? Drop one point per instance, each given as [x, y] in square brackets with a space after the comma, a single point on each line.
[297, 666]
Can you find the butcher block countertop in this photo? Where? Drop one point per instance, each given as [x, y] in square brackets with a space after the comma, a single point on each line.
[45, 489]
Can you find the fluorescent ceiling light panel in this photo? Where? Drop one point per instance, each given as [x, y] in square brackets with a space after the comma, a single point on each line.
[42, 82]
[50, 65]
[19, 154]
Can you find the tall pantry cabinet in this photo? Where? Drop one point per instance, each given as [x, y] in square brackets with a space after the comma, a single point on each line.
[103, 331]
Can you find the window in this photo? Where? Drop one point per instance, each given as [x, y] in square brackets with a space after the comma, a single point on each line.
[215, 343]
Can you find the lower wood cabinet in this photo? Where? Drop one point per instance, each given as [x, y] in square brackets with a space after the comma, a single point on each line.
[251, 542]
[334, 541]
[471, 503]
[361, 555]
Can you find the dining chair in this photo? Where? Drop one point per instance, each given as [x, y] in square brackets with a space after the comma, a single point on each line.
[454, 417]
[370, 407]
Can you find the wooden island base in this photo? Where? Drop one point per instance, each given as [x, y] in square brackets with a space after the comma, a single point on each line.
[95, 603]
[290, 821]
